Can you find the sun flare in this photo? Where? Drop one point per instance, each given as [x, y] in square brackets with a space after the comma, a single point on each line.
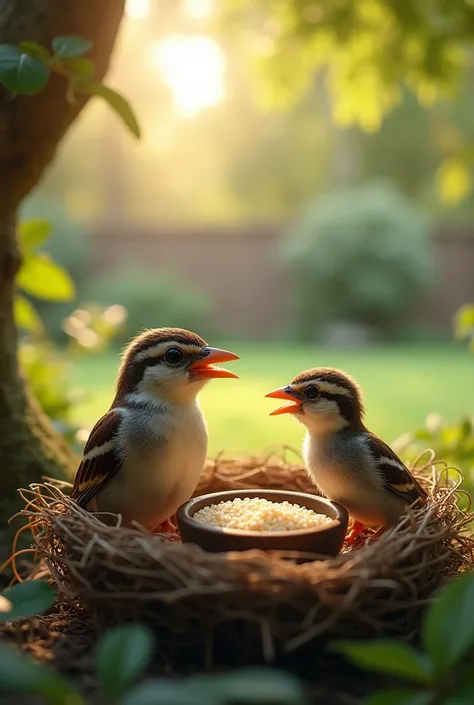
[137, 9]
[193, 69]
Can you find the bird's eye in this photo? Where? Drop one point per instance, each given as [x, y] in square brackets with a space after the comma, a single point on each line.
[311, 391]
[173, 356]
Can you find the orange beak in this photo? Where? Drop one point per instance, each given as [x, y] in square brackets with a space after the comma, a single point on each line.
[205, 367]
[286, 394]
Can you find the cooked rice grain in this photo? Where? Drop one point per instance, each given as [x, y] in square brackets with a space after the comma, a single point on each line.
[257, 514]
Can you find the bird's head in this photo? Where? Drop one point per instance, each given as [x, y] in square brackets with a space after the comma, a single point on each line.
[171, 364]
[323, 399]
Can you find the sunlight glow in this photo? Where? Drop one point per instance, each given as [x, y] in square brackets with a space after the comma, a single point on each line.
[137, 9]
[198, 9]
[193, 69]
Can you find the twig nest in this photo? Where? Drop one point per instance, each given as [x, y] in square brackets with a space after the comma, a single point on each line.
[253, 605]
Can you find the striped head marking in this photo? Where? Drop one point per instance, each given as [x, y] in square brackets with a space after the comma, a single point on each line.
[166, 361]
[323, 399]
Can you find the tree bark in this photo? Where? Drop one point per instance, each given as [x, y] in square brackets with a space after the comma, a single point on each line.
[30, 129]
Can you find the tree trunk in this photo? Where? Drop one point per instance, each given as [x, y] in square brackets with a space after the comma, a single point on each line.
[30, 129]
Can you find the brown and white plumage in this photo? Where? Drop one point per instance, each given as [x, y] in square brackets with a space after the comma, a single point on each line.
[349, 463]
[145, 455]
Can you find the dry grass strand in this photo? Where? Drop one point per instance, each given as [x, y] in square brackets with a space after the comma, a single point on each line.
[258, 604]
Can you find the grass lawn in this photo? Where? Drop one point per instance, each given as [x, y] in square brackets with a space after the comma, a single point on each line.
[402, 385]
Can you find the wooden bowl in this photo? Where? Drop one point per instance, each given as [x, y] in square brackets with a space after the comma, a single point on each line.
[322, 540]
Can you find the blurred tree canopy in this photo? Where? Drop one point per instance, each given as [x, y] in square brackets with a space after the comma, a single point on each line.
[367, 48]
[388, 72]
[368, 52]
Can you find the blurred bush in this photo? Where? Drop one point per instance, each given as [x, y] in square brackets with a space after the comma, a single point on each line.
[68, 244]
[452, 442]
[464, 324]
[150, 301]
[47, 372]
[362, 255]
[92, 328]
[47, 367]
[41, 279]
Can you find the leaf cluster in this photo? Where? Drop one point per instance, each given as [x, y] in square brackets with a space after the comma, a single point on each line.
[441, 672]
[27, 67]
[39, 277]
[122, 656]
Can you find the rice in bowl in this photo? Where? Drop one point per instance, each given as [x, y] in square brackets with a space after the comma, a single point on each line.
[257, 514]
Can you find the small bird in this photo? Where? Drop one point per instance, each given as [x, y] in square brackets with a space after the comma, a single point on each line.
[348, 463]
[144, 457]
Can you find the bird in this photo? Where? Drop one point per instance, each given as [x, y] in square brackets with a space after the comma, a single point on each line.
[144, 457]
[349, 464]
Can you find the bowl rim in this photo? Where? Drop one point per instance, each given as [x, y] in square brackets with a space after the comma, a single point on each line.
[342, 516]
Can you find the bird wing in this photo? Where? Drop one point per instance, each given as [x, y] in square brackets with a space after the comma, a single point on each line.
[100, 461]
[396, 477]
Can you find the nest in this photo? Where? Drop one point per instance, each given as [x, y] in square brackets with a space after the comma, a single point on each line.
[252, 606]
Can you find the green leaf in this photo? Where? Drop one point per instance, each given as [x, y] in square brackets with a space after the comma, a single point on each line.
[117, 102]
[386, 656]
[17, 672]
[39, 276]
[20, 675]
[448, 627]
[20, 72]
[464, 691]
[33, 233]
[399, 697]
[82, 68]
[260, 686]
[123, 654]
[67, 47]
[27, 599]
[34, 49]
[26, 316]
[170, 692]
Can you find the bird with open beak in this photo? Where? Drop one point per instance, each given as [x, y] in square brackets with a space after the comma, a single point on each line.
[348, 463]
[144, 457]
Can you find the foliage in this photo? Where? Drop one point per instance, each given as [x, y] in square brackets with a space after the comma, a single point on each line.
[360, 255]
[452, 442]
[403, 150]
[442, 672]
[93, 327]
[123, 654]
[89, 329]
[26, 68]
[464, 324]
[17, 673]
[39, 276]
[47, 371]
[25, 600]
[366, 50]
[68, 244]
[368, 53]
[150, 300]
[47, 368]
